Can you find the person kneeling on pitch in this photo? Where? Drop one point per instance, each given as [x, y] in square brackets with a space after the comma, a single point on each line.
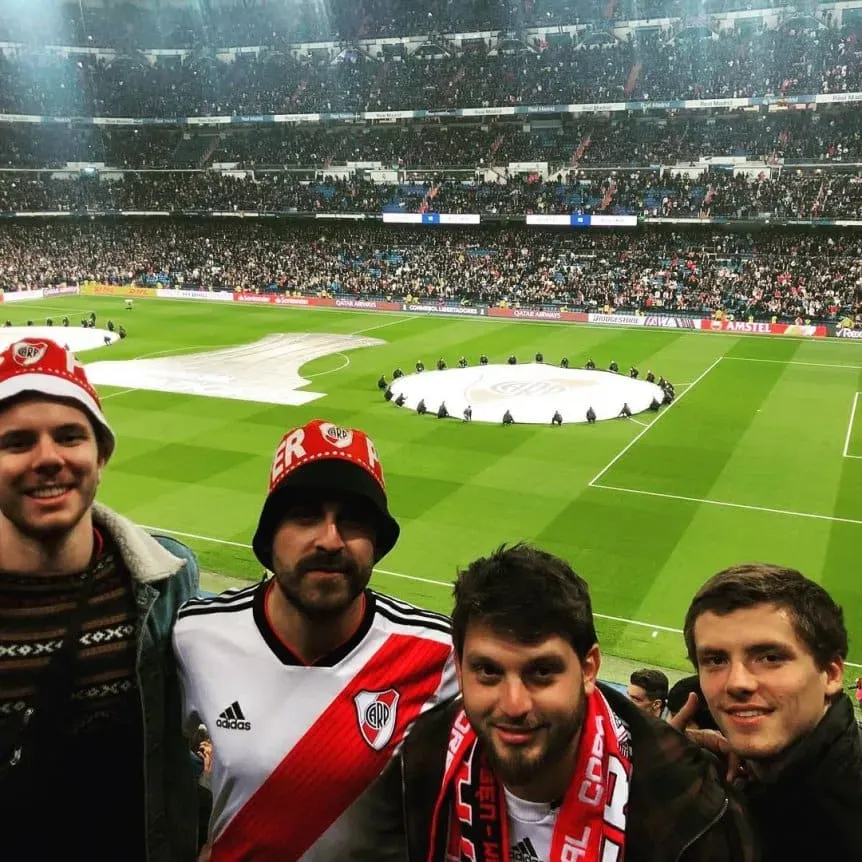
[468, 413]
[564, 362]
[381, 383]
[626, 412]
[399, 401]
[442, 412]
[512, 360]
[557, 418]
[591, 416]
[387, 395]
[483, 359]
[537, 759]
[508, 419]
[441, 364]
[421, 409]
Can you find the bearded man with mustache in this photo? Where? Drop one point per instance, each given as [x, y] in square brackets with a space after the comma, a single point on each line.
[309, 680]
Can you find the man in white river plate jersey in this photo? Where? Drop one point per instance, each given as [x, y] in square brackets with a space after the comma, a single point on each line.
[308, 681]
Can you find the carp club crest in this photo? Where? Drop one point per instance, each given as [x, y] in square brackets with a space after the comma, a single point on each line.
[377, 713]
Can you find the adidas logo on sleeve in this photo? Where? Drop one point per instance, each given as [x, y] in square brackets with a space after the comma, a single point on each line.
[233, 719]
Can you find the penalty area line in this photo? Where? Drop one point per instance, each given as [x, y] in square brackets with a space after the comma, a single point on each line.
[850, 428]
[592, 482]
[402, 576]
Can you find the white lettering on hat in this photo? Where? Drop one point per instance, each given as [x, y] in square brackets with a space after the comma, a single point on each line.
[27, 354]
[289, 449]
[372, 454]
[72, 363]
[336, 436]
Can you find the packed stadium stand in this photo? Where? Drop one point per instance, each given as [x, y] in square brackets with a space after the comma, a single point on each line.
[701, 129]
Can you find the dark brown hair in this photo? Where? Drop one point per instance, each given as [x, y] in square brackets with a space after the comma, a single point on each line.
[527, 594]
[817, 620]
[654, 683]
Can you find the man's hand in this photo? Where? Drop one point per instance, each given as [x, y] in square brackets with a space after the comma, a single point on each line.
[711, 740]
[206, 754]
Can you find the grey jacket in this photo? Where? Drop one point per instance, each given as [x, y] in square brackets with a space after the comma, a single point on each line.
[165, 574]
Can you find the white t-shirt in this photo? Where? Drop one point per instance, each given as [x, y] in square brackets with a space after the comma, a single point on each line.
[531, 828]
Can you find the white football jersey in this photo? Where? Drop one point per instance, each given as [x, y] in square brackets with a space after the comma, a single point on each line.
[295, 745]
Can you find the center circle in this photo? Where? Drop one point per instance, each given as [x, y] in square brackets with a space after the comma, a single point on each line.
[532, 392]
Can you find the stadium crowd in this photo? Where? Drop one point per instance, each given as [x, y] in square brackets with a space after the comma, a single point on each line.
[789, 194]
[763, 275]
[304, 20]
[621, 141]
[779, 62]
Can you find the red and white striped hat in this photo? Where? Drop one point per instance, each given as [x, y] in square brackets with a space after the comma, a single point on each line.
[43, 366]
[323, 457]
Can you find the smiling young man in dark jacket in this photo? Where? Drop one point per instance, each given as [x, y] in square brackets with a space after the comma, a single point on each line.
[769, 646]
[538, 761]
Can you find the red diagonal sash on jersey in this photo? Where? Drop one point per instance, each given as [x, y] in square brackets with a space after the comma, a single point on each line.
[327, 770]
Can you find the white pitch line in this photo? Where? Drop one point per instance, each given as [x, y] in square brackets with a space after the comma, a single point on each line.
[850, 427]
[641, 623]
[115, 394]
[333, 370]
[381, 326]
[728, 505]
[592, 482]
[638, 422]
[795, 362]
[401, 575]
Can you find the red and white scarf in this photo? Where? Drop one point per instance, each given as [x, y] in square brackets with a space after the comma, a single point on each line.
[590, 826]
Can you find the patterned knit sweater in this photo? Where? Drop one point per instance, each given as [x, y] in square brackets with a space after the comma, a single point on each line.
[100, 762]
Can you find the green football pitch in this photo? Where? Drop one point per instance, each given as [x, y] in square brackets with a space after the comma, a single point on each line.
[757, 459]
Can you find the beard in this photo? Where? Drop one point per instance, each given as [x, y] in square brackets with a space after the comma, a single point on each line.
[322, 600]
[516, 766]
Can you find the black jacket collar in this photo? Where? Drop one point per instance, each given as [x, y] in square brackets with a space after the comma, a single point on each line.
[819, 781]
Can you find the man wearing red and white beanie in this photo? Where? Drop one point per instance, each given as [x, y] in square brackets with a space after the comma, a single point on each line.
[308, 681]
[89, 703]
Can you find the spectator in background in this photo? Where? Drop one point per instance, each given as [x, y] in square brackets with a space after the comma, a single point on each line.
[648, 689]
[769, 646]
[93, 764]
[678, 697]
